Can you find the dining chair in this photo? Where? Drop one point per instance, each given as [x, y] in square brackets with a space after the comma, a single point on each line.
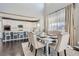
[29, 41]
[36, 44]
[62, 43]
[54, 34]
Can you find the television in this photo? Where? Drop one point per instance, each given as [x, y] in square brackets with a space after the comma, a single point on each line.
[7, 28]
[20, 26]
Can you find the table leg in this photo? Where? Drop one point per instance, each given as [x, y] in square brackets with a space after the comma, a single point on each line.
[47, 49]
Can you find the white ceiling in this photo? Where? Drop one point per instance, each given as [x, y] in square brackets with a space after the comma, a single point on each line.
[51, 7]
[26, 9]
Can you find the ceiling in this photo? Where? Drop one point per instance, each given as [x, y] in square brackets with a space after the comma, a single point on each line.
[26, 9]
[30, 9]
[51, 7]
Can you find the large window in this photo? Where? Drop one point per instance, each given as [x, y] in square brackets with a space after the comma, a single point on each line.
[56, 21]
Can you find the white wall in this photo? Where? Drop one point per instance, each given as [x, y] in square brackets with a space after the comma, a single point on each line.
[76, 27]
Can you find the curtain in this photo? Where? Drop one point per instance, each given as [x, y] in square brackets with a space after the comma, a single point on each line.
[69, 23]
[45, 18]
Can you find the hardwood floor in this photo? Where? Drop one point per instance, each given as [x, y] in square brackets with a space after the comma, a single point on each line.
[13, 48]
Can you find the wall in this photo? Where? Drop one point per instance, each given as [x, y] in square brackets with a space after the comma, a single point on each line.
[76, 27]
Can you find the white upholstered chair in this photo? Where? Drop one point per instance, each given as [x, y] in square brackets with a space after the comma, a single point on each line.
[54, 34]
[62, 43]
[30, 42]
[36, 44]
[29, 39]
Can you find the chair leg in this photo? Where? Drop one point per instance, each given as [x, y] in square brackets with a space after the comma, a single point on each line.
[44, 49]
[28, 44]
[49, 50]
[31, 48]
[35, 52]
[57, 53]
[65, 52]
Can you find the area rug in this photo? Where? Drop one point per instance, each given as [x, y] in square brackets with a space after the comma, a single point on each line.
[40, 52]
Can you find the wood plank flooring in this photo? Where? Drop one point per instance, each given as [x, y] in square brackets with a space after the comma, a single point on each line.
[13, 48]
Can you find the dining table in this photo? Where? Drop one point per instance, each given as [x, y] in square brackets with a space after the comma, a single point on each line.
[47, 39]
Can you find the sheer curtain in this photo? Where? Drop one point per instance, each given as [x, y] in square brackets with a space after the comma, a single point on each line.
[69, 23]
[56, 21]
[0, 28]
